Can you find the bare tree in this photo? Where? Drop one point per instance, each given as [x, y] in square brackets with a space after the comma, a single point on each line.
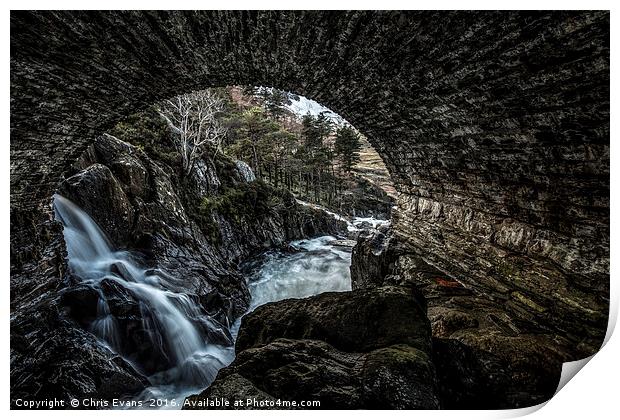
[195, 119]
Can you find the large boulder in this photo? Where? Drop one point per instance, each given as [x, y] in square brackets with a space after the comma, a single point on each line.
[306, 222]
[394, 377]
[373, 258]
[362, 321]
[362, 349]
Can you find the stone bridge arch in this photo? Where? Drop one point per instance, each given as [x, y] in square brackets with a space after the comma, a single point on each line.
[493, 125]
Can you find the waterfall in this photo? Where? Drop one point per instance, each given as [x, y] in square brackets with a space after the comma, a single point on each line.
[173, 323]
[172, 328]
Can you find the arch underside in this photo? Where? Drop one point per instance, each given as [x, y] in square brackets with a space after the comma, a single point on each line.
[494, 125]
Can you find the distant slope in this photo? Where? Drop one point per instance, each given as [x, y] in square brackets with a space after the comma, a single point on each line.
[372, 168]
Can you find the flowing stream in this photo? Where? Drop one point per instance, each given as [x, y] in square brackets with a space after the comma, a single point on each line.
[310, 267]
[177, 327]
[174, 323]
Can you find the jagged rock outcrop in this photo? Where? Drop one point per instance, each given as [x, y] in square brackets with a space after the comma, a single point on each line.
[370, 260]
[359, 197]
[363, 349]
[364, 198]
[99, 193]
[142, 206]
[487, 354]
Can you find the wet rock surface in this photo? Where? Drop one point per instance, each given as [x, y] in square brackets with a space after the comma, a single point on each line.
[364, 349]
[366, 198]
[53, 357]
[145, 209]
[487, 354]
[348, 321]
[371, 261]
[98, 192]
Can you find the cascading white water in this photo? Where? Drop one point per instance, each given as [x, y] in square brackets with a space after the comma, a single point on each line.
[316, 268]
[354, 225]
[171, 318]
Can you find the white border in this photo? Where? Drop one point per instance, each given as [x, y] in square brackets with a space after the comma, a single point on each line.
[591, 395]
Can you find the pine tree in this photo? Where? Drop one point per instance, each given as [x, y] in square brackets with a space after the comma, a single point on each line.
[318, 156]
[253, 127]
[347, 147]
[275, 103]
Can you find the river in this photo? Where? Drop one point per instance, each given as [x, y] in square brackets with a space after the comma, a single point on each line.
[175, 323]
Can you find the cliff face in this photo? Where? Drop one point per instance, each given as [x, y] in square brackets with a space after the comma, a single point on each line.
[144, 208]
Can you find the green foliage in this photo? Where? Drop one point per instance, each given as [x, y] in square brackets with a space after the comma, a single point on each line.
[256, 123]
[247, 130]
[149, 132]
[311, 159]
[272, 100]
[205, 221]
[275, 102]
[315, 154]
[315, 130]
[246, 200]
[347, 147]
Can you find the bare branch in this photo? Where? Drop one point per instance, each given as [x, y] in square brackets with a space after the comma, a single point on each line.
[194, 119]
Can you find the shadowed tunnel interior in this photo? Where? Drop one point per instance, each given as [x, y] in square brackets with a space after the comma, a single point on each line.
[493, 125]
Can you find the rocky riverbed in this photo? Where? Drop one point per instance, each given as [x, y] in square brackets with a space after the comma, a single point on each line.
[378, 328]
[407, 336]
[354, 321]
[178, 231]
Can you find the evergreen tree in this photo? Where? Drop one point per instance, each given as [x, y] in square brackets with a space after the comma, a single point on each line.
[347, 147]
[316, 130]
[317, 154]
[253, 127]
[309, 159]
[275, 102]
